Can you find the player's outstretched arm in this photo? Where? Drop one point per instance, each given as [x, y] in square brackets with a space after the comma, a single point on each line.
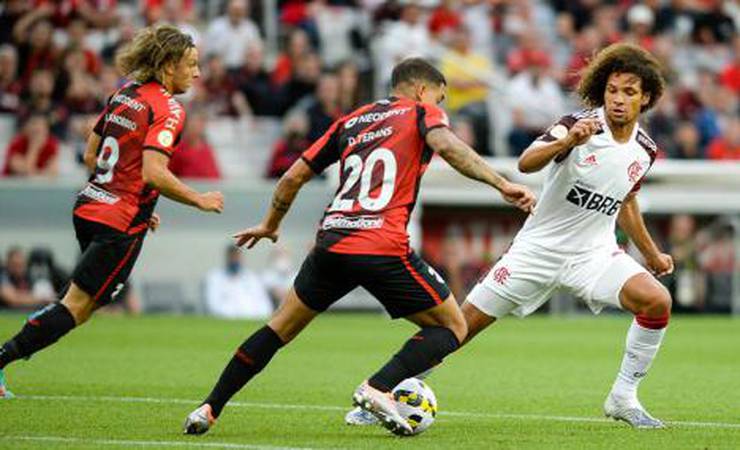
[630, 220]
[156, 174]
[469, 163]
[285, 192]
[539, 154]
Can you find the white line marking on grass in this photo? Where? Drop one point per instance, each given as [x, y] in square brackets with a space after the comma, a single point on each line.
[284, 406]
[134, 443]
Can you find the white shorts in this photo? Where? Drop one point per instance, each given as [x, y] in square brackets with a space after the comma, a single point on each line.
[527, 276]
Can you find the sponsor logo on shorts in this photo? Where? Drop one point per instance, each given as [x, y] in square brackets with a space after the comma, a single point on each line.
[593, 201]
[501, 274]
[634, 171]
[100, 195]
[352, 223]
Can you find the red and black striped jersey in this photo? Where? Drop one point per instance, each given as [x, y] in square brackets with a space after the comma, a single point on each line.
[382, 153]
[138, 117]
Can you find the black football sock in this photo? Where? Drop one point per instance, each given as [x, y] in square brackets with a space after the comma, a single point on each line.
[423, 351]
[250, 358]
[42, 329]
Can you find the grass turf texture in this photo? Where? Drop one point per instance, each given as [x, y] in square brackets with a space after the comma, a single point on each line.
[518, 369]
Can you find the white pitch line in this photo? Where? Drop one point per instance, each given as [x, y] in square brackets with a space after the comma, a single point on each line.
[342, 408]
[136, 443]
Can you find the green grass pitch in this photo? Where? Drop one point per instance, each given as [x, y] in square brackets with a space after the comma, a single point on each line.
[536, 383]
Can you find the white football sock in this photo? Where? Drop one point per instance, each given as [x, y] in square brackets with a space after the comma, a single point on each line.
[641, 346]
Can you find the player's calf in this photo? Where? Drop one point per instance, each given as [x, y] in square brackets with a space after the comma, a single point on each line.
[42, 329]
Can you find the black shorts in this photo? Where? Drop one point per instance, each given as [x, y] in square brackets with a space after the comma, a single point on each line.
[404, 285]
[108, 256]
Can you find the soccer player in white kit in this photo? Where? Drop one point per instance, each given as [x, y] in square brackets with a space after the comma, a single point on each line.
[595, 161]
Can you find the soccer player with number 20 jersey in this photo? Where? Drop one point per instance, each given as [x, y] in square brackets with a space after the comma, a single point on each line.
[127, 153]
[383, 149]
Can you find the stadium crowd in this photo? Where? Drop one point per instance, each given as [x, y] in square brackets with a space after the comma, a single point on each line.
[521, 57]
[511, 66]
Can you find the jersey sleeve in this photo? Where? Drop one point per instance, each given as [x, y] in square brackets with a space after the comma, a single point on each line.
[652, 150]
[325, 151]
[165, 129]
[558, 130]
[100, 122]
[430, 117]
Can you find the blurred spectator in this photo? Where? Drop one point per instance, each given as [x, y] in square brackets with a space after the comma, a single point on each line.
[717, 259]
[253, 81]
[279, 274]
[727, 145]
[297, 47]
[36, 50]
[97, 13]
[194, 156]
[10, 87]
[686, 284]
[16, 290]
[175, 12]
[155, 10]
[76, 41]
[290, 146]
[468, 75]
[730, 76]
[45, 275]
[10, 14]
[39, 100]
[640, 20]
[349, 87]
[585, 45]
[444, 20]
[79, 88]
[323, 109]
[404, 38]
[123, 34]
[224, 99]
[235, 292]
[303, 82]
[465, 131]
[229, 36]
[339, 31]
[536, 102]
[687, 142]
[33, 151]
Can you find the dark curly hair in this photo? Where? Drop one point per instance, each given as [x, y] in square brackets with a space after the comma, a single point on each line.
[621, 58]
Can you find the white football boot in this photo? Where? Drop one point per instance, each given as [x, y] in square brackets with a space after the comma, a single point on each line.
[630, 412]
[360, 417]
[383, 407]
[199, 421]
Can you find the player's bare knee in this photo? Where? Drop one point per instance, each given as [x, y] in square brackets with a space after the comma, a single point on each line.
[653, 300]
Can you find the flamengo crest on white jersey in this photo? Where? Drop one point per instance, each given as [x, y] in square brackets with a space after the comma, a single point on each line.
[584, 188]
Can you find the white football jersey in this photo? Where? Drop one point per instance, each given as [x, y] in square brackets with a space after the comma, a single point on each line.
[584, 188]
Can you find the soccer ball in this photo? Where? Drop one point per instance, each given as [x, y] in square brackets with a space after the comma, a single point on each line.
[417, 403]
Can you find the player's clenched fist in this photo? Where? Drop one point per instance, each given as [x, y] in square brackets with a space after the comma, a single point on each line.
[519, 196]
[660, 265]
[211, 202]
[581, 131]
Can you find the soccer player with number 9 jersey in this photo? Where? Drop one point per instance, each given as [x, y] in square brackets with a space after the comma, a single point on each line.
[382, 149]
[127, 153]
